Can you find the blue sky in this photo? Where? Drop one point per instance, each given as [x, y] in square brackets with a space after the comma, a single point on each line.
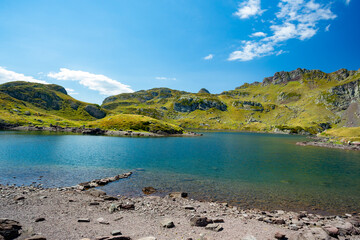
[100, 48]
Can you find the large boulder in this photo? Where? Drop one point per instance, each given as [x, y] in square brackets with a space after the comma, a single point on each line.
[95, 111]
[9, 229]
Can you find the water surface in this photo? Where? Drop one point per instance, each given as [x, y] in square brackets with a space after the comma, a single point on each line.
[247, 169]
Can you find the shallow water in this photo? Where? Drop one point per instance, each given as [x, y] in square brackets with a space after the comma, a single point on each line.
[248, 169]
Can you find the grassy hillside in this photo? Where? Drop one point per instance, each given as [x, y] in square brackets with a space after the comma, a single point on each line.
[24, 103]
[300, 101]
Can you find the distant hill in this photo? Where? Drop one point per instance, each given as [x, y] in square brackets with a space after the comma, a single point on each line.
[25, 103]
[300, 101]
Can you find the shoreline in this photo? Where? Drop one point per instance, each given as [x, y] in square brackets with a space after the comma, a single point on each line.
[91, 214]
[323, 142]
[83, 212]
[317, 141]
[97, 131]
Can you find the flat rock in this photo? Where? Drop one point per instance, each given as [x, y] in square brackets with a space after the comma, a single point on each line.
[116, 233]
[18, 198]
[110, 198]
[36, 237]
[249, 237]
[280, 236]
[313, 234]
[167, 223]
[199, 221]
[178, 195]
[331, 230]
[148, 238]
[96, 192]
[128, 206]
[83, 220]
[189, 207]
[102, 221]
[40, 219]
[148, 190]
[214, 227]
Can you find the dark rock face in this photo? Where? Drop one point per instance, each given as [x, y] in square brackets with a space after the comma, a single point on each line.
[95, 112]
[285, 77]
[301, 73]
[9, 229]
[344, 94]
[248, 105]
[204, 90]
[190, 104]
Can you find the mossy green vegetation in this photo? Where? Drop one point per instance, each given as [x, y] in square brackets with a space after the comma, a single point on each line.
[34, 104]
[301, 101]
[344, 134]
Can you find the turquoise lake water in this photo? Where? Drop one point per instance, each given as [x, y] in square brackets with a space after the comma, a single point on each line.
[251, 170]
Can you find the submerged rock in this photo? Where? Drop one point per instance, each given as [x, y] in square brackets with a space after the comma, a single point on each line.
[148, 190]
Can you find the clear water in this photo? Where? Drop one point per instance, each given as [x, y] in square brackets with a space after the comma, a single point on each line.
[247, 169]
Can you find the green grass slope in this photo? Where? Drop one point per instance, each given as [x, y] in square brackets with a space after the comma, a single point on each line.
[24, 103]
[300, 101]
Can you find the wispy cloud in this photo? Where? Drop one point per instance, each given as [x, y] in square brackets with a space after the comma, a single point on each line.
[10, 76]
[209, 57]
[347, 2]
[249, 8]
[258, 34]
[296, 19]
[71, 91]
[165, 78]
[97, 82]
[327, 28]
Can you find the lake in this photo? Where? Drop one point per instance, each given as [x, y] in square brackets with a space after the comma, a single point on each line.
[250, 170]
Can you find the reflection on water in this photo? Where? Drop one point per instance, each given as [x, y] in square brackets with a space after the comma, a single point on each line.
[252, 170]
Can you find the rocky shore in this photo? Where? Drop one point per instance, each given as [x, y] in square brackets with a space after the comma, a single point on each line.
[324, 142]
[95, 131]
[83, 212]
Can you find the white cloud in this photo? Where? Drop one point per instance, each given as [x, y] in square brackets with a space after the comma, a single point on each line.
[281, 52]
[347, 2]
[258, 34]
[71, 91]
[249, 8]
[209, 57]
[296, 19]
[10, 76]
[165, 78]
[97, 82]
[327, 28]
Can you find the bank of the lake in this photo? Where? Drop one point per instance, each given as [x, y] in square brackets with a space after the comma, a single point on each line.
[248, 170]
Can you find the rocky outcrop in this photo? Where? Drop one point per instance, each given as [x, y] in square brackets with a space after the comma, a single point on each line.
[288, 96]
[248, 105]
[190, 104]
[285, 77]
[204, 90]
[95, 111]
[301, 74]
[341, 96]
